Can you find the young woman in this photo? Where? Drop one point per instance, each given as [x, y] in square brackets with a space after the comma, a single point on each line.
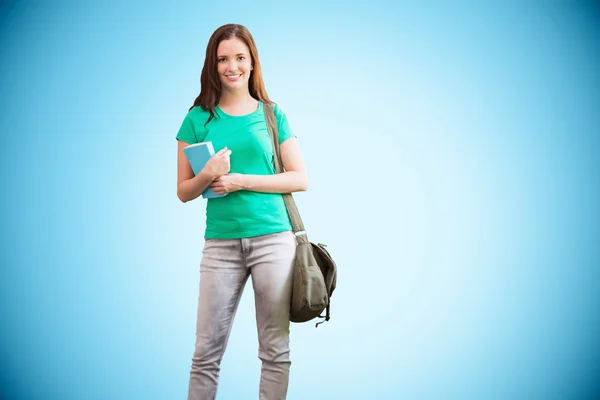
[248, 231]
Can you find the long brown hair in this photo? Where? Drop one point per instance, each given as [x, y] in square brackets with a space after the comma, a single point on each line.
[210, 84]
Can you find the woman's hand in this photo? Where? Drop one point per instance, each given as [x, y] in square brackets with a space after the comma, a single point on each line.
[218, 164]
[228, 183]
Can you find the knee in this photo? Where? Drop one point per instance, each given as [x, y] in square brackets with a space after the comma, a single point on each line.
[206, 352]
[277, 351]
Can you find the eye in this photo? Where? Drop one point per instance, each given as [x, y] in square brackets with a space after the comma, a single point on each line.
[221, 60]
[241, 58]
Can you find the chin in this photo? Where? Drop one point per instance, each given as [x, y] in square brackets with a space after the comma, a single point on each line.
[235, 86]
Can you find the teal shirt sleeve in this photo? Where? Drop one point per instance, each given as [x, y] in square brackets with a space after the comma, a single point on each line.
[187, 132]
[283, 125]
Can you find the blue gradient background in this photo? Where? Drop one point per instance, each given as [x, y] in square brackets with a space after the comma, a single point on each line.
[453, 150]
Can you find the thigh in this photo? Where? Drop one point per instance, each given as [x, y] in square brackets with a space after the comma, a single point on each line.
[271, 270]
[223, 274]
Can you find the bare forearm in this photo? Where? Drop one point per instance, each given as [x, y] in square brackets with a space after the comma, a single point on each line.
[190, 189]
[286, 182]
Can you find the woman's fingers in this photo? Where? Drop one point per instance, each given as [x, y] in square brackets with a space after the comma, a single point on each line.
[223, 152]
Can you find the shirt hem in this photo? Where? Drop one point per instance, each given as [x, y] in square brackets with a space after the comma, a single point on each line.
[246, 234]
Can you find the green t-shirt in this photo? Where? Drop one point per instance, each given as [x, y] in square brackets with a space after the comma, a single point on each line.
[243, 213]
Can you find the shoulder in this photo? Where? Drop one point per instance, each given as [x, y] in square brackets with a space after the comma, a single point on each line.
[277, 108]
[279, 111]
[198, 114]
[193, 128]
[283, 124]
[199, 117]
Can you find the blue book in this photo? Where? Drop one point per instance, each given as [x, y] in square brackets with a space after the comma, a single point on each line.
[198, 155]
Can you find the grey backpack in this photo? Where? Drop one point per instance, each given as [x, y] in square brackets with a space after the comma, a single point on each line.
[315, 272]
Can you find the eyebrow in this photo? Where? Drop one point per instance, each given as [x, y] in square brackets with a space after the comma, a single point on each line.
[238, 54]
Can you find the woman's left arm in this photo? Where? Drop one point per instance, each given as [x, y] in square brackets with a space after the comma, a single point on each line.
[294, 179]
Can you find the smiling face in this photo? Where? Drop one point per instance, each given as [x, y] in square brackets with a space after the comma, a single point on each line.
[234, 64]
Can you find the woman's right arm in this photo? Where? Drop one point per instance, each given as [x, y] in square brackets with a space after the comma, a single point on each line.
[189, 186]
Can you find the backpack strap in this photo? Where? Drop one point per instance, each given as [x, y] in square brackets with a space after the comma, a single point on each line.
[326, 316]
[290, 204]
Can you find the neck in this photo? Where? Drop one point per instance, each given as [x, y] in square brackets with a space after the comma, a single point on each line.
[237, 97]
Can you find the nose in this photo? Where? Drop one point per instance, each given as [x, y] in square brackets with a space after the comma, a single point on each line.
[233, 65]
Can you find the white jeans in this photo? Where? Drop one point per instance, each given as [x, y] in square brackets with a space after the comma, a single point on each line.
[225, 268]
